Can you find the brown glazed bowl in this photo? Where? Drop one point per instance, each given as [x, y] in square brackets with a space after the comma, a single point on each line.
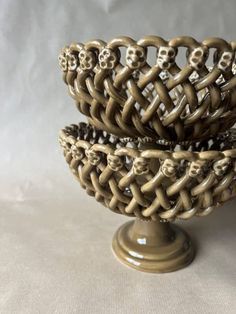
[175, 90]
[154, 183]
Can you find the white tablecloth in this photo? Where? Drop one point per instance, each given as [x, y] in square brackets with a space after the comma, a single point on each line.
[56, 258]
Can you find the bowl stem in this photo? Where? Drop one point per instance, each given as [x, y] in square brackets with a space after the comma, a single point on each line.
[152, 246]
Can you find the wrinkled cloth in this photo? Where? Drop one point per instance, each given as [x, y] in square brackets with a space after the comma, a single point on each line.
[54, 239]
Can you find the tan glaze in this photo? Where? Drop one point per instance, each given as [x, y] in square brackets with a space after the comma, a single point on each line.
[152, 246]
[167, 182]
[167, 159]
[130, 96]
[164, 183]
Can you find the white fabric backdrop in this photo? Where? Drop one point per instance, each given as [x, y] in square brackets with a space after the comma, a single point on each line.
[54, 240]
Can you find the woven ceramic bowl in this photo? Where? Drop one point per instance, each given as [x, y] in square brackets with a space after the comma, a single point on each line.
[165, 182]
[176, 90]
[154, 183]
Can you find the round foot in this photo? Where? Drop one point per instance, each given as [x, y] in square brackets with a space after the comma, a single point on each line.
[153, 246]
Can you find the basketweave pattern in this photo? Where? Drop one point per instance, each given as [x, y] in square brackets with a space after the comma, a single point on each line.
[126, 94]
[151, 184]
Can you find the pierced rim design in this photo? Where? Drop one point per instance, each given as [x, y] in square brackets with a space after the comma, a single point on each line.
[157, 183]
[124, 90]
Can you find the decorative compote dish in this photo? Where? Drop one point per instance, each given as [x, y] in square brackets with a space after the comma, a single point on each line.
[155, 183]
[143, 88]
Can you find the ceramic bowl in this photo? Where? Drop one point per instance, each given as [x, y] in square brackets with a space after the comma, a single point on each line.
[176, 90]
[164, 182]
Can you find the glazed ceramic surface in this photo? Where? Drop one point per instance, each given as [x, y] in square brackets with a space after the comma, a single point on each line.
[165, 182]
[123, 90]
[158, 145]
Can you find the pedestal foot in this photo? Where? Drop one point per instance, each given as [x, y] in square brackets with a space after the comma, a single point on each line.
[154, 246]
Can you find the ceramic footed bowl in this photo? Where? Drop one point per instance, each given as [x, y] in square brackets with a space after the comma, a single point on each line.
[175, 90]
[154, 183]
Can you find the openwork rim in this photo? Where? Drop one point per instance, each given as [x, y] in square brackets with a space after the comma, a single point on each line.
[223, 143]
[122, 91]
[152, 183]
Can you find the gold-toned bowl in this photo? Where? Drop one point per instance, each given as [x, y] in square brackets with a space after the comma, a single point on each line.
[144, 89]
[154, 183]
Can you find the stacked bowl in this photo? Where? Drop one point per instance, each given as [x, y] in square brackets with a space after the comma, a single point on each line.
[159, 143]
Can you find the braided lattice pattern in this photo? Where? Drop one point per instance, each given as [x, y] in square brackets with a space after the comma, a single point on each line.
[151, 183]
[131, 93]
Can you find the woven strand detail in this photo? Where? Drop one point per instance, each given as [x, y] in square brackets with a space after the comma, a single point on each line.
[152, 183]
[124, 90]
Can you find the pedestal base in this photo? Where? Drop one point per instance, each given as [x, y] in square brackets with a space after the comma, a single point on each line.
[153, 246]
